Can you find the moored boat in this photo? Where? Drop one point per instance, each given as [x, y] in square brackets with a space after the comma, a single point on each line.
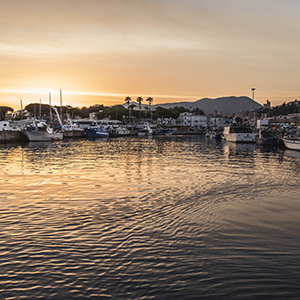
[145, 130]
[9, 132]
[293, 144]
[118, 131]
[97, 131]
[72, 130]
[293, 141]
[239, 133]
[40, 131]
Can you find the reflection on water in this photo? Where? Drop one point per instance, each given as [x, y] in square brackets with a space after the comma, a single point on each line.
[137, 218]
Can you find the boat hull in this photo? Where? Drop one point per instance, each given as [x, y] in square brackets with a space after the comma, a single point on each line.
[293, 144]
[39, 136]
[96, 132]
[239, 134]
[74, 133]
[10, 136]
[240, 137]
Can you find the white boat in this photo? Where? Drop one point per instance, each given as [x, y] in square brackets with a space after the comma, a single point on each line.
[9, 132]
[239, 134]
[118, 130]
[292, 142]
[40, 131]
[72, 130]
[145, 130]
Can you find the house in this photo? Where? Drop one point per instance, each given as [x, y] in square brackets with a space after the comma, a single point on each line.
[191, 120]
[216, 122]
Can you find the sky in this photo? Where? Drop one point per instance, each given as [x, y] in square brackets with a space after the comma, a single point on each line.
[100, 51]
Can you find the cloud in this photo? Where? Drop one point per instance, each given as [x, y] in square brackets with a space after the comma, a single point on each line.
[150, 47]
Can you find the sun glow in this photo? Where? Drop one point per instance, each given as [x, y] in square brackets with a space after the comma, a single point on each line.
[80, 98]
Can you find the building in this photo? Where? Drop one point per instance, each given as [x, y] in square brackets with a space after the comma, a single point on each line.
[191, 120]
[216, 122]
[268, 104]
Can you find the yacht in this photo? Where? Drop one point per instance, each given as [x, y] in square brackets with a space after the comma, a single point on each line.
[239, 133]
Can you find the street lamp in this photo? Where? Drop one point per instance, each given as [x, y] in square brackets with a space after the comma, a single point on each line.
[253, 89]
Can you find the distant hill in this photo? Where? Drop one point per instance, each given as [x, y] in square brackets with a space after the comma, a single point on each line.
[227, 105]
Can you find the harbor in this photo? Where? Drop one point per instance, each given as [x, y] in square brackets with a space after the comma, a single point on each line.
[163, 217]
[149, 150]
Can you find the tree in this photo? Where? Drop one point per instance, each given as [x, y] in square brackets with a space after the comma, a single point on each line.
[162, 113]
[139, 101]
[198, 111]
[128, 100]
[4, 110]
[177, 110]
[114, 112]
[150, 100]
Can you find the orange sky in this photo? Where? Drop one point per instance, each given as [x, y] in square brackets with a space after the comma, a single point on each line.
[100, 51]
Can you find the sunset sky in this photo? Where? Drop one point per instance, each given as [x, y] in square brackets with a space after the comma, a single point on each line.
[100, 51]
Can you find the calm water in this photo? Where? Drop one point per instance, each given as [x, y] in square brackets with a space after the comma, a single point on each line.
[158, 218]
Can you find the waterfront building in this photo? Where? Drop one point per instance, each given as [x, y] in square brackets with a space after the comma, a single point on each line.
[191, 120]
[216, 122]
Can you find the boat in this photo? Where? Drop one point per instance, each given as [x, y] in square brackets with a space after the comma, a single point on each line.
[216, 134]
[119, 130]
[97, 131]
[292, 142]
[72, 130]
[9, 132]
[163, 131]
[145, 130]
[239, 133]
[41, 131]
[267, 137]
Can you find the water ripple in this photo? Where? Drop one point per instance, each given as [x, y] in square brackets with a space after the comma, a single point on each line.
[161, 218]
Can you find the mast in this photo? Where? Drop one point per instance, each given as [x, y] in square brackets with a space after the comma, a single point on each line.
[40, 110]
[21, 107]
[60, 103]
[58, 117]
[50, 112]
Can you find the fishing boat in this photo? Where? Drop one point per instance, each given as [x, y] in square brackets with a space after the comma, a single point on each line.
[72, 130]
[118, 131]
[145, 130]
[292, 141]
[160, 130]
[239, 133]
[9, 132]
[97, 130]
[41, 131]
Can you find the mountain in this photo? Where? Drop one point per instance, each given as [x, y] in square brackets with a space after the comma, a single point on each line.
[227, 105]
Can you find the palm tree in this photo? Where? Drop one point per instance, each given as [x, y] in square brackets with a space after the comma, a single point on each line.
[139, 101]
[150, 100]
[128, 100]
